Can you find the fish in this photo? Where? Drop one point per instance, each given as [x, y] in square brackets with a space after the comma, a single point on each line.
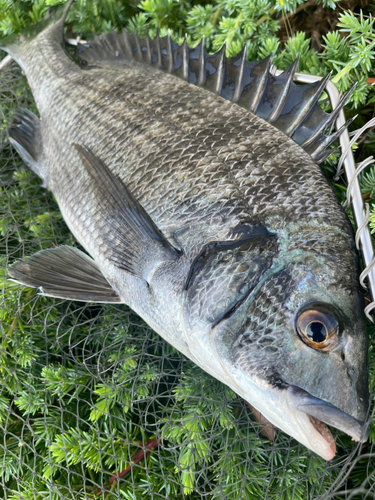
[192, 182]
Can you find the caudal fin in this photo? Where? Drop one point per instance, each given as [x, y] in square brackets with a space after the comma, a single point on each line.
[53, 21]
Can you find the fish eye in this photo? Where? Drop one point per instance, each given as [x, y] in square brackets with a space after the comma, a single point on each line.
[318, 329]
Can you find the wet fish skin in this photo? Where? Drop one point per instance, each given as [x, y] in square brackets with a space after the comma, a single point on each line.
[206, 170]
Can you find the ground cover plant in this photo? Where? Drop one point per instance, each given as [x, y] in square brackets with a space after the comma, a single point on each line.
[93, 403]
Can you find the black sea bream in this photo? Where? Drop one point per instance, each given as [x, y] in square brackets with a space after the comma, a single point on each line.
[192, 182]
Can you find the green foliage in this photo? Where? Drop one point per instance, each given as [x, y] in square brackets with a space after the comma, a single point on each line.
[348, 52]
[83, 390]
[351, 58]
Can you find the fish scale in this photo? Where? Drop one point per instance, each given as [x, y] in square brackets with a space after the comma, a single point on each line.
[216, 227]
[219, 140]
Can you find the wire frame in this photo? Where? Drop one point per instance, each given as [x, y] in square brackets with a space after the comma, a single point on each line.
[363, 239]
[95, 405]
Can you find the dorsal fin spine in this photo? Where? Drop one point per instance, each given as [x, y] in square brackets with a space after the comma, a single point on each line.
[125, 36]
[329, 120]
[185, 60]
[169, 53]
[262, 85]
[202, 64]
[328, 153]
[158, 50]
[148, 51]
[321, 149]
[308, 107]
[138, 54]
[239, 82]
[290, 72]
[220, 70]
[291, 108]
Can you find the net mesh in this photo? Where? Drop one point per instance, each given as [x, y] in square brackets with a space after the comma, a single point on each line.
[94, 404]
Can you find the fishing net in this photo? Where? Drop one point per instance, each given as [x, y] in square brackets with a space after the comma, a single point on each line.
[95, 405]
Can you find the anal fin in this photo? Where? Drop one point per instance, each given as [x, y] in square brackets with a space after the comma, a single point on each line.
[66, 273]
[25, 136]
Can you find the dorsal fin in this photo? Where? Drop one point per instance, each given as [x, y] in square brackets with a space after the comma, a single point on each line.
[291, 108]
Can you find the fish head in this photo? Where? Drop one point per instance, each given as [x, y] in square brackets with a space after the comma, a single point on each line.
[287, 333]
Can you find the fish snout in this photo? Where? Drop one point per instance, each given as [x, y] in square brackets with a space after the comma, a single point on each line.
[355, 362]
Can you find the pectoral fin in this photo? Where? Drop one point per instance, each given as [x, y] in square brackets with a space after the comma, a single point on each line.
[64, 272]
[24, 135]
[134, 243]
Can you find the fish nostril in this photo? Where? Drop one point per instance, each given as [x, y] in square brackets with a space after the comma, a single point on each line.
[352, 373]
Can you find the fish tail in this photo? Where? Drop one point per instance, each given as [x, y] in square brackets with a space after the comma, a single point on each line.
[52, 23]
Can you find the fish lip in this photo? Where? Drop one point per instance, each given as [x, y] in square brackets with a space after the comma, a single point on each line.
[327, 413]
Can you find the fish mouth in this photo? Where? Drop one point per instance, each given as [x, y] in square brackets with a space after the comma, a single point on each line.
[326, 434]
[321, 413]
[290, 408]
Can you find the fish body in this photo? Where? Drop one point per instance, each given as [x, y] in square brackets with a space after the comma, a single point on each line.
[217, 228]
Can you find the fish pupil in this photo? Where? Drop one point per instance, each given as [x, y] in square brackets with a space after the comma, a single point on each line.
[316, 331]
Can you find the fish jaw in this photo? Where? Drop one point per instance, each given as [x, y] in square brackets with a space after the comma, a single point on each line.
[305, 417]
[275, 404]
[321, 411]
[301, 415]
[291, 409]
[279, 406]
[313, 434]
[280, 409]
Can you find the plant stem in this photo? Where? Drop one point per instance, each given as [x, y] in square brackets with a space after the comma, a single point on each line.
[265, 17]
[216, 16]
[12, 327]
[342, 73]
[298, 9]
[140, 455]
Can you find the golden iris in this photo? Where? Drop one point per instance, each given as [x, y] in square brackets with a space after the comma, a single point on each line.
[318, 329]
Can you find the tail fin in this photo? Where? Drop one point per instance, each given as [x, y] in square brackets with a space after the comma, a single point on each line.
[53, 21]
